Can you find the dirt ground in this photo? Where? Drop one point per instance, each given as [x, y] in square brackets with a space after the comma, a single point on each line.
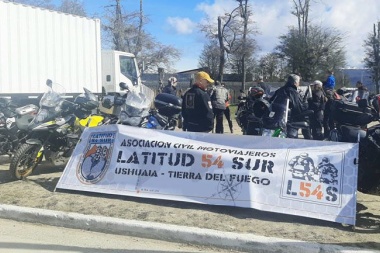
[38, 191]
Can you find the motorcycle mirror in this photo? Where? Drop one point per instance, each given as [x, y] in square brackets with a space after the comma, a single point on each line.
[49, 82]
[123, 86]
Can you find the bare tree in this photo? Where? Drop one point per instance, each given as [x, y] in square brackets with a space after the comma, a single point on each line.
[128, 34]
[372, 58]
[74, 7]
[301, 11]
[230, 35]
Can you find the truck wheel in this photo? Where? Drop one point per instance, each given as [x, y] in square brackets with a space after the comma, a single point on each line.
[24, 161]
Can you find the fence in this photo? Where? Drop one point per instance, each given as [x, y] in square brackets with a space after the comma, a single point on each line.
[233, 87]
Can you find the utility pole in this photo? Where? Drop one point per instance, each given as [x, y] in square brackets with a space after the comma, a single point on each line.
[244, 15]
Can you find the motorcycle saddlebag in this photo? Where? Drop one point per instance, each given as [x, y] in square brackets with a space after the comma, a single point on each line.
[350, 113]
[254, 125]
[168, 104]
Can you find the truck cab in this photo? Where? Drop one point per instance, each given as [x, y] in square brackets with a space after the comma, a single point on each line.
[119, 67]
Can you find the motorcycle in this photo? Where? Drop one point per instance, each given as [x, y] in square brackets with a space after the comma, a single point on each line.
[251, 110]
[369, 160]
[55, 139]
[14, 124]
[134, 109]
[278, 119]
[351, 118]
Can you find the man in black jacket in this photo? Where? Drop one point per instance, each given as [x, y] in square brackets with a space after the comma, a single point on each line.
[296, 104]
[196, 105]
[171, 87]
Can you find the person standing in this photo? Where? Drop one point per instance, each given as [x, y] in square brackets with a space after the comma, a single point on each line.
[330, 81]
[362, 91]
[317, 104]
[171, 87]
[219, 97]
[227, 112]
[196, 105]
[296, 102]
[263, 85]
[328, 88]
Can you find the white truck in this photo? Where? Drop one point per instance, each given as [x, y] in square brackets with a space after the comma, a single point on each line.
[38, 44]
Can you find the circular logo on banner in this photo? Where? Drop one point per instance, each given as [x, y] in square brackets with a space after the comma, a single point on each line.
[96, 159]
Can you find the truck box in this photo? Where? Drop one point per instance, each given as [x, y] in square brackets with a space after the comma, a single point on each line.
[38, 44]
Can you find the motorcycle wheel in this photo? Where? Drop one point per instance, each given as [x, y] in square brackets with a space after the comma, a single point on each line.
[25, 160]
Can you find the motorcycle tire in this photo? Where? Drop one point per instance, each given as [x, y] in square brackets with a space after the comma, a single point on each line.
[24, 161]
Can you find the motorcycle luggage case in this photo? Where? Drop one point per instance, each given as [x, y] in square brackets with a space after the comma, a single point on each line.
[350, 113]
[168, 104]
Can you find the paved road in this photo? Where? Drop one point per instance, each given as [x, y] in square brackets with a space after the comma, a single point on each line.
[21, 237]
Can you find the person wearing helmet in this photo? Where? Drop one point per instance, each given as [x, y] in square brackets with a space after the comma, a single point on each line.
[171, 87]
[317, 104]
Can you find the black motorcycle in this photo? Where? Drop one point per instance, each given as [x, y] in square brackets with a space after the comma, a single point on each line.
[369, 161]
[14, 123]
[56, 139]
[350, 119]
[251, 110]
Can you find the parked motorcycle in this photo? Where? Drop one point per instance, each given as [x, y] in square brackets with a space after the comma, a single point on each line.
[251, 110]
[55, 139]
[14, 124]
[351, 119]
[134, 109]
[369, 160]
[278, 119]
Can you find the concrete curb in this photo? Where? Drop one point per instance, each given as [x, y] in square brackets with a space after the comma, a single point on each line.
[173, 233]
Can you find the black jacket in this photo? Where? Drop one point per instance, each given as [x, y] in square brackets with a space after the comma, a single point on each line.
[197, 111]
[296, 103]
[317, 101]
[170, 89]
[265, 87]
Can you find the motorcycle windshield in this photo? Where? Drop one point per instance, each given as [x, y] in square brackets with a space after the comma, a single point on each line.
[43, 115]
[136, 104]
[89, 95]
[53, 96]
[50, 104]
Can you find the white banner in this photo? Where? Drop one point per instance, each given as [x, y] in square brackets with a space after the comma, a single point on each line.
[315, 179]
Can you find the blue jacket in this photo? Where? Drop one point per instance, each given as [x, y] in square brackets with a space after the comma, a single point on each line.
[330, 83]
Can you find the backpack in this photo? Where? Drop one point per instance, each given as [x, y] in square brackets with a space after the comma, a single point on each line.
[219, 97]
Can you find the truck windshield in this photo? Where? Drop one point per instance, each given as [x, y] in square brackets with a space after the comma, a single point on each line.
[128, 68]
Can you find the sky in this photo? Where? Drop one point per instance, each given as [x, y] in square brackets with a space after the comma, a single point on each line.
[174, 22]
